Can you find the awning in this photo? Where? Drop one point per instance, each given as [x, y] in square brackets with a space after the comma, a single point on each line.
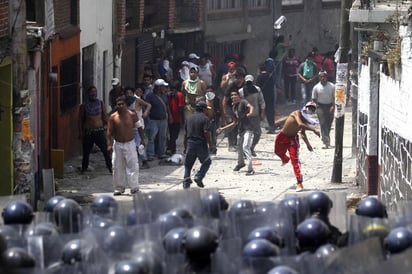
[230, 37]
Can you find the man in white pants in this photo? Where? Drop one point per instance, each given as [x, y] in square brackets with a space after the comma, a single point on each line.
[125, 162]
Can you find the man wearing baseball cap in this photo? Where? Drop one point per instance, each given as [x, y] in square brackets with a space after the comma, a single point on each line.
[115, 92]
[254, 96]
[159, 117]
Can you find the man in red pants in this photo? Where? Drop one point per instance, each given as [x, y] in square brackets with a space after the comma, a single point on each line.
[288, 139]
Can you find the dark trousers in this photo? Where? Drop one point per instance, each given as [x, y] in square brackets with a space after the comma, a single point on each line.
[325, 120]
[97, 137]
[270, 109]
[197, 151]
[290, 87]
[213, 135]
[174, 130]
[231, 133]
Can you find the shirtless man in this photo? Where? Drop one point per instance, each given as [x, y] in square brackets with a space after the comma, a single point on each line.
[92, 119]
[135, 103]
[125, 162]
[288, 139]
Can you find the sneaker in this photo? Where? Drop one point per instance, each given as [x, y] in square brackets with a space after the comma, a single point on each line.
[299, 187]
[199, 182]
[250, 172]
[134, 190]
[254, 153]
[186, 183]
[238, 167]
[118, 192]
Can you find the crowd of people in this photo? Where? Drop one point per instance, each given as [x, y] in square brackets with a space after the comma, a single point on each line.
[203, 102]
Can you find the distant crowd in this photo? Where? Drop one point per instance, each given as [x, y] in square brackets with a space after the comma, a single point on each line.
[168, 96]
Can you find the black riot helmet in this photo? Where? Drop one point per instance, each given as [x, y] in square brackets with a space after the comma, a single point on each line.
[169, 221]
[16, 257]
[173, 240]
[52, 202]
[398, 240]
[311, 234]
[282, 269]
[371, 207]
[116, 240]
[105, 206]
[266, 232]
[17, 213]
[213, 204]
[200, 241]
[258, 248]
[184, 214]
[242, 208]
[319, 203]
[297, 208]
[68, 216]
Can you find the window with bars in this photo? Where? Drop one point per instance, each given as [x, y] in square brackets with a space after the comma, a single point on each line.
[224, 4]
[258, 3]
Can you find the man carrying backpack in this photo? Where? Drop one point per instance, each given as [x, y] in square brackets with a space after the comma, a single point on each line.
[307, 73]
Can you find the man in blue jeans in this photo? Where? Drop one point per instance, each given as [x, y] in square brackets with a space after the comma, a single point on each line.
[159, 118]
[197, 143]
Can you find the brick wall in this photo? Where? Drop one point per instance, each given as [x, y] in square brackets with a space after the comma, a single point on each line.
[4, 18]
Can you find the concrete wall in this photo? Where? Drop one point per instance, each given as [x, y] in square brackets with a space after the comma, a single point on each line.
[395, 142]
[384, 134]
[96, 25]
[312, 26]
[260, 25]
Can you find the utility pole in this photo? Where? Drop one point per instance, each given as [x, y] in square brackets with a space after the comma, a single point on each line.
[22, 148]
[340, 89]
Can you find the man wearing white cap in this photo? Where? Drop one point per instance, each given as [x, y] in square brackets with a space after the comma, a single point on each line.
[254, 96]
[115, 92]
[159, 115]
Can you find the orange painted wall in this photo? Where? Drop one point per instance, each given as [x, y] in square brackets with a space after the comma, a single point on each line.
[64, 126]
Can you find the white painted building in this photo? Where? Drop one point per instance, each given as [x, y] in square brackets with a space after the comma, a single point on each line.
[96, 45]
[384, 143]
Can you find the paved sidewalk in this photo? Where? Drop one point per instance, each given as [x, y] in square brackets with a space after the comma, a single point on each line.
[270, 183]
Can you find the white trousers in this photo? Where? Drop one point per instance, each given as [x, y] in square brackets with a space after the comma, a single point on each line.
[125, 165]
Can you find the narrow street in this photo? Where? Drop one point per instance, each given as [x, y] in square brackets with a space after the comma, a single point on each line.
[271, 181]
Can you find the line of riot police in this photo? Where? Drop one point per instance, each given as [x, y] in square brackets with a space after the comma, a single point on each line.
[199, 231]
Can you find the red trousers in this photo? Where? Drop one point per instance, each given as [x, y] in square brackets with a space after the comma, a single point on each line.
[285, 143]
